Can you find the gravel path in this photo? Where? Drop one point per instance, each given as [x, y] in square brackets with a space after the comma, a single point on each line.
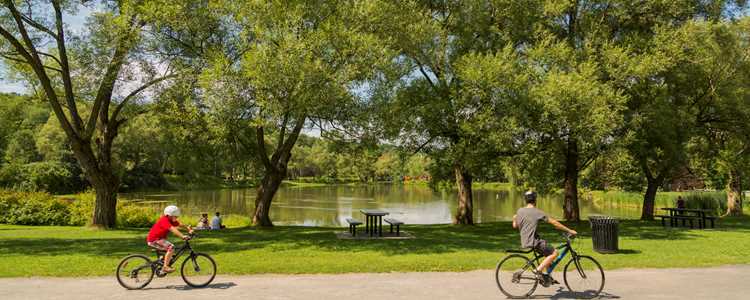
[727, 282]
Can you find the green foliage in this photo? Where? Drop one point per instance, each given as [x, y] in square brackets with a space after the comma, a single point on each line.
[38, 208]
[717, 204]
[21, 148]
[32, 208]
[50, 176]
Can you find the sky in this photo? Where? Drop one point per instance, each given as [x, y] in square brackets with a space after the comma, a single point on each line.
[75, 22]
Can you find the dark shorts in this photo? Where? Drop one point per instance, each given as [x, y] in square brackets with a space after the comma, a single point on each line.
[541, 247]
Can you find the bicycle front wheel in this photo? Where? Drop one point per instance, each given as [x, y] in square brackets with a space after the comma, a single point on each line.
[584, 277]
[515, 276]
[135, 272]
[198, 270]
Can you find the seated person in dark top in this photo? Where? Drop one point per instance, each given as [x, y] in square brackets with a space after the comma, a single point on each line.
[526, 220]
[680, 202]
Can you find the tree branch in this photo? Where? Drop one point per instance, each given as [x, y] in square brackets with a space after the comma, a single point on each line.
[136, 92]
[32, 58]
[107, 85]
[63, 61]
[37, 25]
[261, 143]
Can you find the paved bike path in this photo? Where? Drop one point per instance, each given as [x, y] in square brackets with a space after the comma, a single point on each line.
[727, 282]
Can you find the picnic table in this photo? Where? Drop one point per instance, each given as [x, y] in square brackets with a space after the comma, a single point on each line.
[374, 220]
[699, 215]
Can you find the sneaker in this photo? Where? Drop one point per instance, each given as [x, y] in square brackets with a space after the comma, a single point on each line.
[542, 278]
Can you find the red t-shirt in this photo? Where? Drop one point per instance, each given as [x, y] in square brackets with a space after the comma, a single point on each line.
[161, 229]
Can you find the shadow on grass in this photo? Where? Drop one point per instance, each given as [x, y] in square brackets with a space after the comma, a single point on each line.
[628, 251]
[430, 239]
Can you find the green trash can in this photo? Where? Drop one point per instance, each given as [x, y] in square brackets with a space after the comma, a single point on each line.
[605, 234]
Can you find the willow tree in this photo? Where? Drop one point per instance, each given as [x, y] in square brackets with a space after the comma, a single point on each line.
[427, 108]
[82, 77]
[292, 65]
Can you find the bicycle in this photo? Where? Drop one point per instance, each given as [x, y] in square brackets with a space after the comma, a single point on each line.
[519, 270]
[197, 270]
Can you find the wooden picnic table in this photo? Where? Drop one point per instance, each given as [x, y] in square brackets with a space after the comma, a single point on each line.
[698, 214]
[371, 217]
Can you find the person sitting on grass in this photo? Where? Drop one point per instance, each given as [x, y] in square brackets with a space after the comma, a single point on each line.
[203, 222]
[157, 236]
[216, 222]
[526, 221]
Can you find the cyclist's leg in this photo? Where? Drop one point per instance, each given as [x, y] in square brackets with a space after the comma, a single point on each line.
[165, 245]
[549, 253]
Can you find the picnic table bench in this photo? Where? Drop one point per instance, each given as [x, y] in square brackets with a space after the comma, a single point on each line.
[394, 222]
[353, 225]
[687, 215]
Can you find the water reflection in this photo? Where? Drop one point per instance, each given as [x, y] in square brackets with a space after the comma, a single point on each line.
[331, 205]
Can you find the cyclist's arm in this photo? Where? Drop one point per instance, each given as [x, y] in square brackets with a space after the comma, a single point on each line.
[176, 231]
[515, 225]
[560, 226]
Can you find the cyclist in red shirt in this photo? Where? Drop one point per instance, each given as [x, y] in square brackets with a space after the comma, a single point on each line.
[157, 236]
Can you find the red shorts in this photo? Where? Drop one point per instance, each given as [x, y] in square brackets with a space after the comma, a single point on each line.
[162, 244]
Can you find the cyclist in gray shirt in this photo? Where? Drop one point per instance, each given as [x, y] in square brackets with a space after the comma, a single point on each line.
[526, 220]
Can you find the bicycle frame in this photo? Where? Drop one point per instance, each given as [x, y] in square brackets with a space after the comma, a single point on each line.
[176, 256]
[564, 249]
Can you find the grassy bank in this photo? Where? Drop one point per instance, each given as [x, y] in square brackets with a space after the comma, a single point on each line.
[78, 251]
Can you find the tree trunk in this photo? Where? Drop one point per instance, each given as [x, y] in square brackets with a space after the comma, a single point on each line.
[570, 207]
[100, 175]
[647, 213]
[267, 189]
[105, 207]
[464, 213]
[734, 194]
[275, 170]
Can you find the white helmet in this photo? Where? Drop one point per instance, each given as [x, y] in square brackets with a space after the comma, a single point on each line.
[172, 211]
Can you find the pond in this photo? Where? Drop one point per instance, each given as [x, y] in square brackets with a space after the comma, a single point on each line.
[413, 204]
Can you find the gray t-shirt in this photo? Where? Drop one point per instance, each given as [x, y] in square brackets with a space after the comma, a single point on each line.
[527, 219]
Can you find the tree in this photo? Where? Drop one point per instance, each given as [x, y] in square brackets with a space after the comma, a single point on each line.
[61, 68]
[290, 65]
[426, 108]
[713, 70]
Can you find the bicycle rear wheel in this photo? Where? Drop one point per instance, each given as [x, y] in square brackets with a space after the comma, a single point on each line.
[135, 272]
[515, 276]
[198, 270]
[584, 277]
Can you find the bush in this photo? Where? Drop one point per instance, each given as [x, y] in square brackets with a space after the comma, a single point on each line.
[135, 216]
[33, 208]
[37, 208]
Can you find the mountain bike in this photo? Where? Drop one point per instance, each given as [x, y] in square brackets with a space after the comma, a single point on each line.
[137, 270]
[583, 275]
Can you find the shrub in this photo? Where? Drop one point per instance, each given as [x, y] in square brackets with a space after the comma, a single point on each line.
[33, 208]
[129, 215]
[37, 208]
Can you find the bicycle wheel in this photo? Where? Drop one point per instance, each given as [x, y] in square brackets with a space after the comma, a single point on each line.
[515, 276]
[135, 272]
[198, 270]
[584, 277]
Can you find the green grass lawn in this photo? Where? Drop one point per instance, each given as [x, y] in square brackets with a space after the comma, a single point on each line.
[75, 251]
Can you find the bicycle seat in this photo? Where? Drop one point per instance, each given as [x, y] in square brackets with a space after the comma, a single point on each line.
[524, 250]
